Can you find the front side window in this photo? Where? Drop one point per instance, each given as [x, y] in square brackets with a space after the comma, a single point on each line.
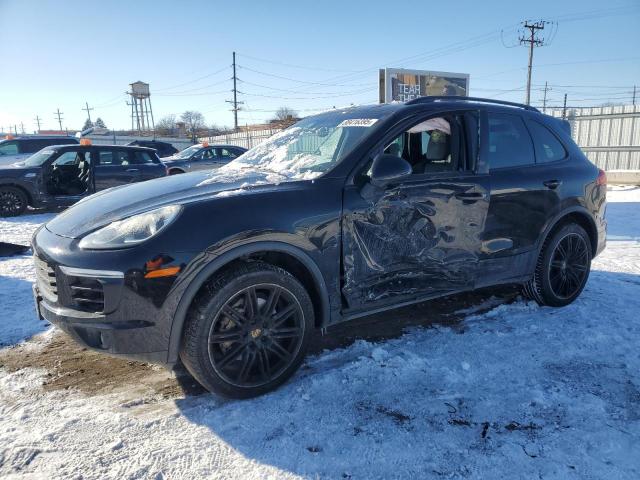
[431, 146]
[71, 157]
[509, 141]
[9, 148]
[548, 147]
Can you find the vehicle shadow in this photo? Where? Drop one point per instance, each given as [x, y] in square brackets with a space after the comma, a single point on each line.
[329, 417]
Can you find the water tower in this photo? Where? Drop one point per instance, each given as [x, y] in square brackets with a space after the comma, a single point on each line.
[141, 112]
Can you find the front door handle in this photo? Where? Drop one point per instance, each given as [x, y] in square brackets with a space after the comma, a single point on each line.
[552, 184]
[470, 197]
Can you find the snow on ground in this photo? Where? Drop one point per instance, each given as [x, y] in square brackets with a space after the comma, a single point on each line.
[518, 392]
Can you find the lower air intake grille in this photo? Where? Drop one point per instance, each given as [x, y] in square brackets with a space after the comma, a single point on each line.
[87, 294]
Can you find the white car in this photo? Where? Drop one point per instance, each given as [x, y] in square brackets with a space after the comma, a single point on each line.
[16, 149]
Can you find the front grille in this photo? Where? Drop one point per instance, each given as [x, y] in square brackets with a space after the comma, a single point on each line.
[46, 279]
[86, 293]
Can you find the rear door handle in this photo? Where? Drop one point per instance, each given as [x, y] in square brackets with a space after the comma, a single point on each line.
[130, 170]
[552, 184]
[470, 197]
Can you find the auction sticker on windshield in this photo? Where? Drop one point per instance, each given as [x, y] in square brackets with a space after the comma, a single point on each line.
[358, 122]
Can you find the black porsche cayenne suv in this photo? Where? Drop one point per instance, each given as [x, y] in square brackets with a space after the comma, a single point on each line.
[345, 213]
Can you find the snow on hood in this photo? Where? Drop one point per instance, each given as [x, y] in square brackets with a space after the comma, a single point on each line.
[274, 159]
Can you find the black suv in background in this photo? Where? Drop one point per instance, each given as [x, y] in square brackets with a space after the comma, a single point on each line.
[345, 213]
[15, 149]
[163, 149]
[60, 175]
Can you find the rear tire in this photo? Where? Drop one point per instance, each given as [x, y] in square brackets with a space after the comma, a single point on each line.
[562, 269]
[13, 201]
[175, 171]
[248, 331]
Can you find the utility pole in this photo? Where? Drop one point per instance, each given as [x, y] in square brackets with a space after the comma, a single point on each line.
[633, 101]
[22, 127]
[58, 114]
[88, 110]
[564, 107]
[544, 98]
[533, 42]
[235, 101]
[37, 119]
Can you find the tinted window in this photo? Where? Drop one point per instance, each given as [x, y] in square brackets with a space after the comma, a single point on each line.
[31, 146]
[9, 148]
[113, 157]
[548, 147]
[143, 157]
[225, 154]
[509, 141]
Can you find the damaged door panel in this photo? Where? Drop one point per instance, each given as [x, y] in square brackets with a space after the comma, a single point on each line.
[420, 238]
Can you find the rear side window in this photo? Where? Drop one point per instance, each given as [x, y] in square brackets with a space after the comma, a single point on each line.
[143, 157]
[509, 142]
[548, 147]
[113, 157]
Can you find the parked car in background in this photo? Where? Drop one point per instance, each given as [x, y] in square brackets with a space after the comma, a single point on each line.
[202, 157]
[348, 213]
[14, 149]
[163, 149]
[60, 175]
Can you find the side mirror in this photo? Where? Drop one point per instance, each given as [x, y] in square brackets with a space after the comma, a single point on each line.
[388, 168]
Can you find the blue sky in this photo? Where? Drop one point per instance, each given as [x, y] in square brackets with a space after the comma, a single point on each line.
[309, 55]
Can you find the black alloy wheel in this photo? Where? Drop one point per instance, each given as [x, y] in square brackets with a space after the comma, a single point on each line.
[562, 269]
[255, 335]
[12, 202]
[569, 265]
[248, 330]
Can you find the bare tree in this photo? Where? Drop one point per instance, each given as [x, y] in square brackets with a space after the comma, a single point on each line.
[285, 114]
[193, 121]
[166, 125]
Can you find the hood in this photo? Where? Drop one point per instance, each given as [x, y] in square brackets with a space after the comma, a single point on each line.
[120, 202]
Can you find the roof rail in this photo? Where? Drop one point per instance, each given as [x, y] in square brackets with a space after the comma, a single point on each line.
[437, 98]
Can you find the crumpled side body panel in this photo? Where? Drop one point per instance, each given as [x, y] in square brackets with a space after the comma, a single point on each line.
[412, 240]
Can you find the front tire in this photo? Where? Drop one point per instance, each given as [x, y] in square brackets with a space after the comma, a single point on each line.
[13, 201]
[563, 267]
[248, 331]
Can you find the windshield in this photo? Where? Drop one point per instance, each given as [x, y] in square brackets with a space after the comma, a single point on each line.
[37, 159]
[311, 147]
[187, 152]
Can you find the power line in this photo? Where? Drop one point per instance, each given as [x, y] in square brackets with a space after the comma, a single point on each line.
[193, 81]
[275, 62]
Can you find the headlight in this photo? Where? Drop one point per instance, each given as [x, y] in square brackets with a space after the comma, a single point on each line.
[131, 231]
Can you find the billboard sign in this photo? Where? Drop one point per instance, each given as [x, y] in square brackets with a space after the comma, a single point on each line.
[401, 85]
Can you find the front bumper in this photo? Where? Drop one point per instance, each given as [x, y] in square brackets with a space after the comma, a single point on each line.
[116, 311]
